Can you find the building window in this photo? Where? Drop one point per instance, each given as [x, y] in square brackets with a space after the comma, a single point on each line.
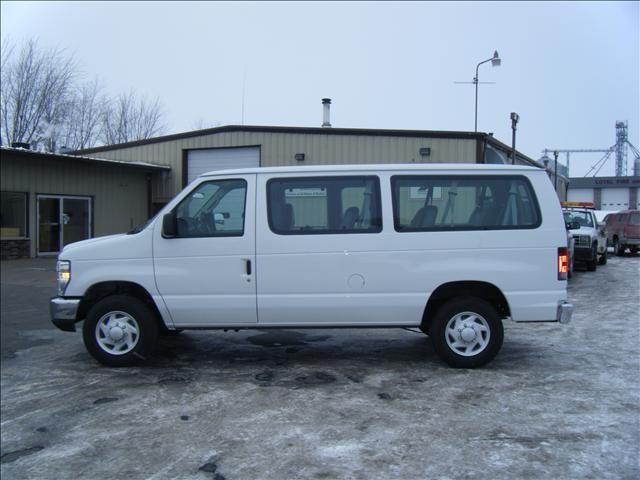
[441, 203]
[13, 215]
[324, 205]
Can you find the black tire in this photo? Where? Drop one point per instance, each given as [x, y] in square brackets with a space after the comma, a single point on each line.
[617, 247]
[603, 258]
[633, 250]
[592, 263]
[452, 311]
[123, 309]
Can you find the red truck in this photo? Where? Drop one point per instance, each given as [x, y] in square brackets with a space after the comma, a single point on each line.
[623, 231]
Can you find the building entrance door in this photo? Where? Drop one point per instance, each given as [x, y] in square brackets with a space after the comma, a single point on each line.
[62, 220]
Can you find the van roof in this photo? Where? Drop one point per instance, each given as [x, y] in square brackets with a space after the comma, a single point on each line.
[428, 167]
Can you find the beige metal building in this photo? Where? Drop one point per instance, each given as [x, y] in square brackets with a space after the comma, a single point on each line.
[607, 193]
[50, 200]
[112, 188]
[192, 153]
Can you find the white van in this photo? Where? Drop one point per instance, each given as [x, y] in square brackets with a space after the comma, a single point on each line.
[450, 249]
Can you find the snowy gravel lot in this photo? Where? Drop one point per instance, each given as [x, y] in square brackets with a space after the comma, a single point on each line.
[559, 401]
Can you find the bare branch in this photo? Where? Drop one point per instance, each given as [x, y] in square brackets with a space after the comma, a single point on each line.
[131, 117]
[41, 103]
[82, 124]
[35, 89]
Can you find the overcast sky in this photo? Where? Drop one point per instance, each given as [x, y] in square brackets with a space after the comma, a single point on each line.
[570, 70]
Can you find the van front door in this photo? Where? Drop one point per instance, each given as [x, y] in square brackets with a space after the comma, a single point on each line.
[205, 273]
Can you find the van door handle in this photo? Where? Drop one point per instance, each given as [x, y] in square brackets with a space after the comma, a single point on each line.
[247, 266]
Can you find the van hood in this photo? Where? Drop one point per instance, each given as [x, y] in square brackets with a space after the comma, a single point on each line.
[582, 231]
[89, 241]
[111, 247]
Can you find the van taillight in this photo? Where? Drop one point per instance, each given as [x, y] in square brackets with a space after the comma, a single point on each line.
[563, 263]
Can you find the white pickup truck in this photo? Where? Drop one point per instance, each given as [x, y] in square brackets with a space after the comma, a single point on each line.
[589, 235]
[451, 249]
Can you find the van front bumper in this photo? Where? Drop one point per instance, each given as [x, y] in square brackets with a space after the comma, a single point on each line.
[565, 312]
[64, 312]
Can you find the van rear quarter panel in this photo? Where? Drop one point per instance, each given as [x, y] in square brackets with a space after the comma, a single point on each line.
[386, 278]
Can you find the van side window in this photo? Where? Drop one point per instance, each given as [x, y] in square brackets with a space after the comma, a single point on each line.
[440, 203]
[213, 209]
[324, 205]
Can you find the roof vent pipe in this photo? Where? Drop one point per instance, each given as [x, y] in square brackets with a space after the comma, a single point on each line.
[326, 112]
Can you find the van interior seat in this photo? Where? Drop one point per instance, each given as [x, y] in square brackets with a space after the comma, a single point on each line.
[283, 217]
[425, 217]
[486, 214]
[351, 216]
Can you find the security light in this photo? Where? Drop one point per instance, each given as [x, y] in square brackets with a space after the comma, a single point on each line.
[495, 61]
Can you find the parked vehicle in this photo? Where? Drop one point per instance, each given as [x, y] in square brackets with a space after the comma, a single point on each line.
[601, 215]
[571, 244]
[450, 249]
[623, 231]
[590, 238]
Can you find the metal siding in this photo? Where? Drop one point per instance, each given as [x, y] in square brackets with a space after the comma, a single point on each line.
[119, 194]
[580, 195]
[280, 148]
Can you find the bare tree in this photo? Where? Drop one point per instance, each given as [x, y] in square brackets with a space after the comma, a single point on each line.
[82, 125]
[131, 117]
[42, 104]
[34, 94]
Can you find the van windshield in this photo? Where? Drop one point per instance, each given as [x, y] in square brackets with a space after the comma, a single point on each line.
[635, 219]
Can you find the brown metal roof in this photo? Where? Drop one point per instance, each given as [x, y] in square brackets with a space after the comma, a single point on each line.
[22, 152]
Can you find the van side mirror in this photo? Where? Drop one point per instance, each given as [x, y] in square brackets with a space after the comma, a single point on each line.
[169, 225]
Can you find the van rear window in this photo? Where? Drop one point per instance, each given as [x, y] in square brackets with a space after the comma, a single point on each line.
[441, 203]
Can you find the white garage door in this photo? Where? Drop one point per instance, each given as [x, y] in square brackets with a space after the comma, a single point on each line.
[580, 195]
[615, 199]
[207, 160]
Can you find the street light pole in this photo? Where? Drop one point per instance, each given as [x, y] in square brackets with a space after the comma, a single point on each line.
[495, 62]
[514, 122]
[555, 174]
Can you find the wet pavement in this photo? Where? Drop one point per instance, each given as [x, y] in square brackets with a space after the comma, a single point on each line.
[559, 401]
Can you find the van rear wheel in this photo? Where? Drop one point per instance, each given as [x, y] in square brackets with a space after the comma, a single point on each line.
[120, 331]
[467, 332]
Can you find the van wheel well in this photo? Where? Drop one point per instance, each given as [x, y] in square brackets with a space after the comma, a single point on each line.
[445, 292]
[97, 292]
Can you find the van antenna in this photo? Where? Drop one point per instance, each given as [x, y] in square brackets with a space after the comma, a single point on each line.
[244, 81]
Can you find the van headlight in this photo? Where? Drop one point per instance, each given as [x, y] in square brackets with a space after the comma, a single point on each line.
[63, 271]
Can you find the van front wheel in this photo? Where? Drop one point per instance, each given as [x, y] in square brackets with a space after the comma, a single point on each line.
[120, 331]
[467, 332]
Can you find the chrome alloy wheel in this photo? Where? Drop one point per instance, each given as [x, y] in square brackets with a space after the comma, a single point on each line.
[467, 334]
[117, 333]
